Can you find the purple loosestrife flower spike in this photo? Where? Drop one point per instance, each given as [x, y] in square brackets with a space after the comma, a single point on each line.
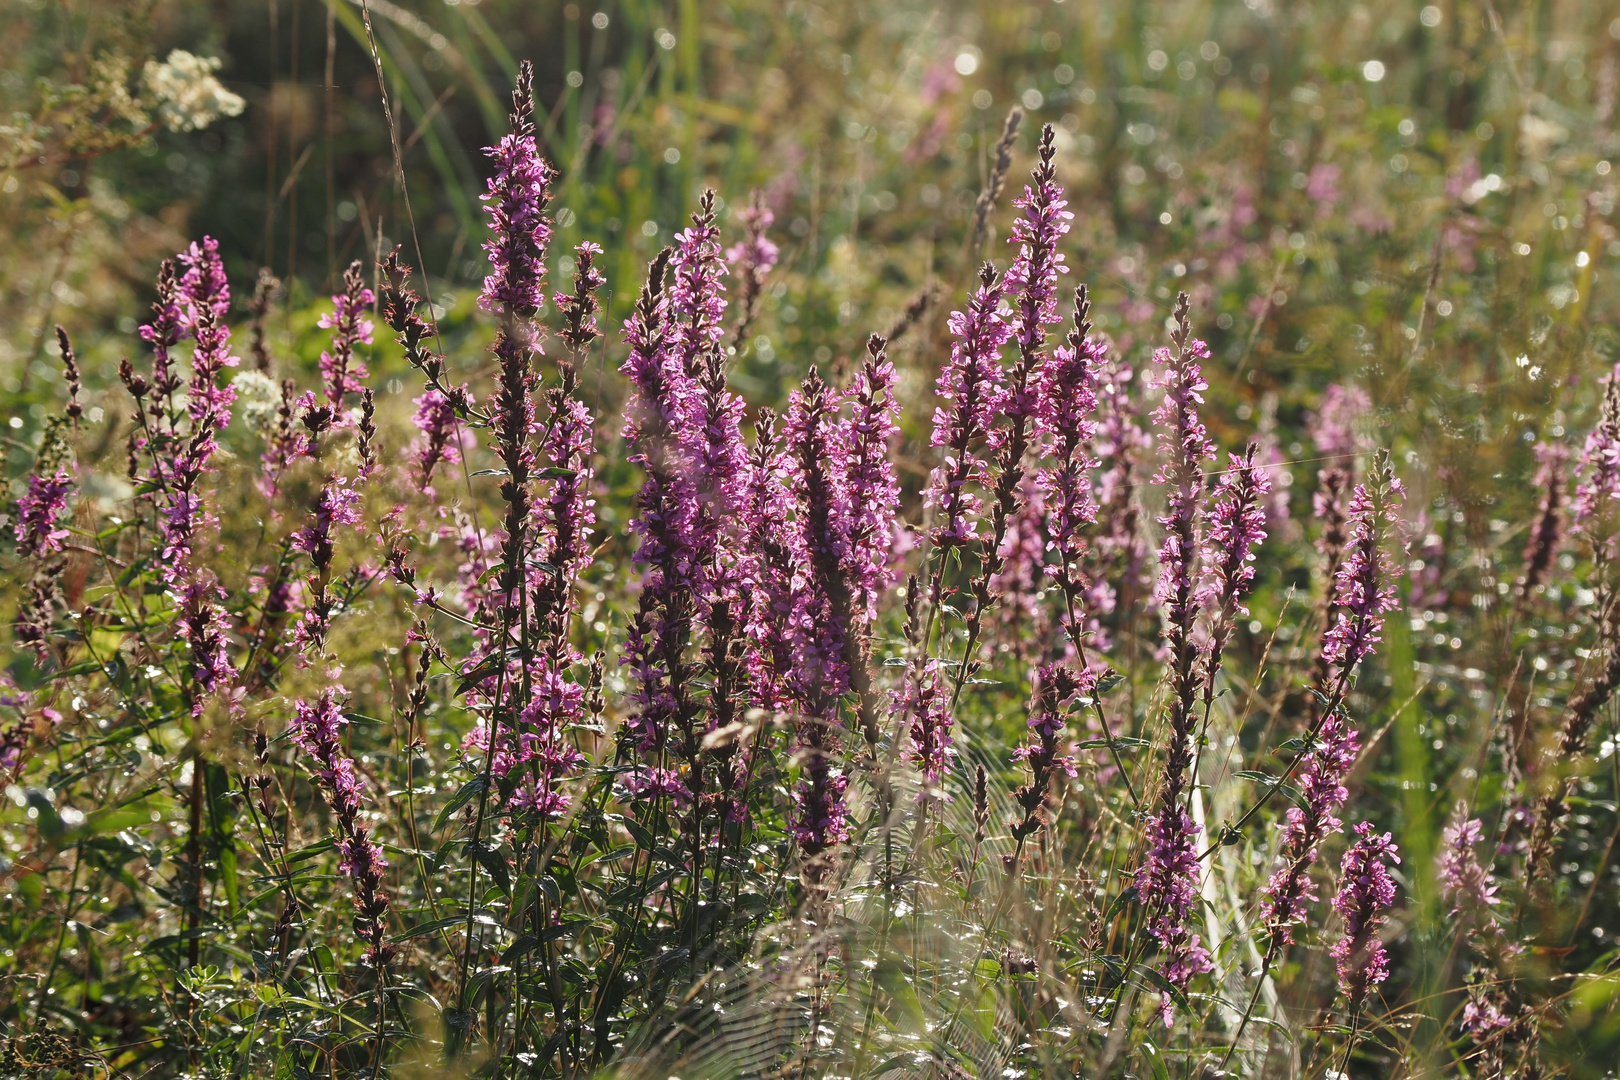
[1066, 419]
[196, 304]
[317, 730]
[1466, 883]
[203, 285]
[1597, 474]
[163, 333]
[1366, 893]
[661, 523]
[1364, 590]
[515, 201]
[1237, 526]
[1031, 284]
[820, 616]
[439, 441]
[579, 307]
[971, 388]
[337, 504]
[1031, 280]
[39, 514]
[751, 261]
[870, 495]
[1120, 560]
[708, 416]
[70, 374]
[1321, 785]
[1335, 427]
[341, 373]
[927, 704]
[1547, 532]
[1167, 881]
[767, 512]
[1054, 684]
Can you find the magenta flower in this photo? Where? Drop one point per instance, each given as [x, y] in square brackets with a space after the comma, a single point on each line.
[1237, 526]
[39, 514]
[1597, 475]
[820, 815]
[1465, 882]
[341, 373]
[439, 438]
[1031, 281]
[767, 512]
[1168, 886]
[1335, 426]
[1363, 589]
[1055, 684]
[751, 261]
[709, 451]
[927, 705]
[337, 504]
[971, 386]
[1321, 784]
[514, 201]
[579, 307]
[1366, 893]
[317, 730]
[1167, 881]
[1065, 418]
[202, 285]
[868, 494]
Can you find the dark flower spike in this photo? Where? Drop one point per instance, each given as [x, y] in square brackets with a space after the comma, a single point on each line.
[317, 729]
[265, 290]
[1055, 685]
[1541, 548]
[70, 372]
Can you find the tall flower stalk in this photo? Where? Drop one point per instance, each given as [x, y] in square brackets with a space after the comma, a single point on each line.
[1167, 880]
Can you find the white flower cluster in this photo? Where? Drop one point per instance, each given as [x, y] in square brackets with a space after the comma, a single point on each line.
[189, 97]
[258, 400]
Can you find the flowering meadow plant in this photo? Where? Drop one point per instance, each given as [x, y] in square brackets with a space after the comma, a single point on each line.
[570, 723]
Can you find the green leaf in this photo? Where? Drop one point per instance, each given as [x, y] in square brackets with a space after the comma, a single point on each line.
[494, 863]
[1271, 782]
[227, 873]
[1122, 742]
[468, 790]
[1155, 1060]
[1128, 896]
[556, 473]
[306, 853]
[432, 927]
[519, 948]
[639, 833]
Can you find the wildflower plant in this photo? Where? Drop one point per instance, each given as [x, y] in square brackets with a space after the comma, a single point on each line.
[525, 718]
